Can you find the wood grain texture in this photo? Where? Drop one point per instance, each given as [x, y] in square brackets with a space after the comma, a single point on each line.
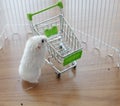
[95, 83]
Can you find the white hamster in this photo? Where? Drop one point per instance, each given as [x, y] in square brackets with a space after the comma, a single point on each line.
[33, 59]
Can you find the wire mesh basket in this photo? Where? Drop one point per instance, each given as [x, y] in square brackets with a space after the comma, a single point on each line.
[63, 45]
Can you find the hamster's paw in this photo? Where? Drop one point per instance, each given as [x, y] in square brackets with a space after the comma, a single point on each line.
[35, 81]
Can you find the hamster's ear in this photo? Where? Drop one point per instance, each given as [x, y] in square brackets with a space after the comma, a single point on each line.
[30, 39]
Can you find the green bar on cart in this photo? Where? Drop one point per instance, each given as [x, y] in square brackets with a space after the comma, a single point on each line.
[59, 4]
[72, 57]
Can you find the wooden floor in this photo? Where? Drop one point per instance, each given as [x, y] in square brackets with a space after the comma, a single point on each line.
[96, 82]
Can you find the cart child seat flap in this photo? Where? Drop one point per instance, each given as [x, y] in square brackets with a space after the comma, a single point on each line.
[51, 31]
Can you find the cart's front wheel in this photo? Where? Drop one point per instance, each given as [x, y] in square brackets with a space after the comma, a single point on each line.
[74, 67]
[75, 64]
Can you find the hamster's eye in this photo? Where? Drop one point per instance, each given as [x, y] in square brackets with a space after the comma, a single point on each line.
[43, 41]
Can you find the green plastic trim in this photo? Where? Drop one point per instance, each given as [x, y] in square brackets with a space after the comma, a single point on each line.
[59, 4]
[52, 31]
[72, 57]
[29, 16]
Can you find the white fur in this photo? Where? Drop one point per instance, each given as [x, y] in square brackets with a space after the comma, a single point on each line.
[33, 59]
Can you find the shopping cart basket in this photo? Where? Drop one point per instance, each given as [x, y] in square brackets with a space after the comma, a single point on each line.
[63, 45]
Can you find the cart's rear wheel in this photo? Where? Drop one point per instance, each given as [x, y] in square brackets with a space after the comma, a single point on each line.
[59, 75]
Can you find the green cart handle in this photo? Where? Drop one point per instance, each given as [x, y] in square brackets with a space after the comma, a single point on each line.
[59, 4]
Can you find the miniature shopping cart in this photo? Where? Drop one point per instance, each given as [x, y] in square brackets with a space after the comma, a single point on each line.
[63, 46]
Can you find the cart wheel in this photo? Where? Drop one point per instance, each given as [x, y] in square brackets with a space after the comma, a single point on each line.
[74, 67]
[74, 63]
[58, 75]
